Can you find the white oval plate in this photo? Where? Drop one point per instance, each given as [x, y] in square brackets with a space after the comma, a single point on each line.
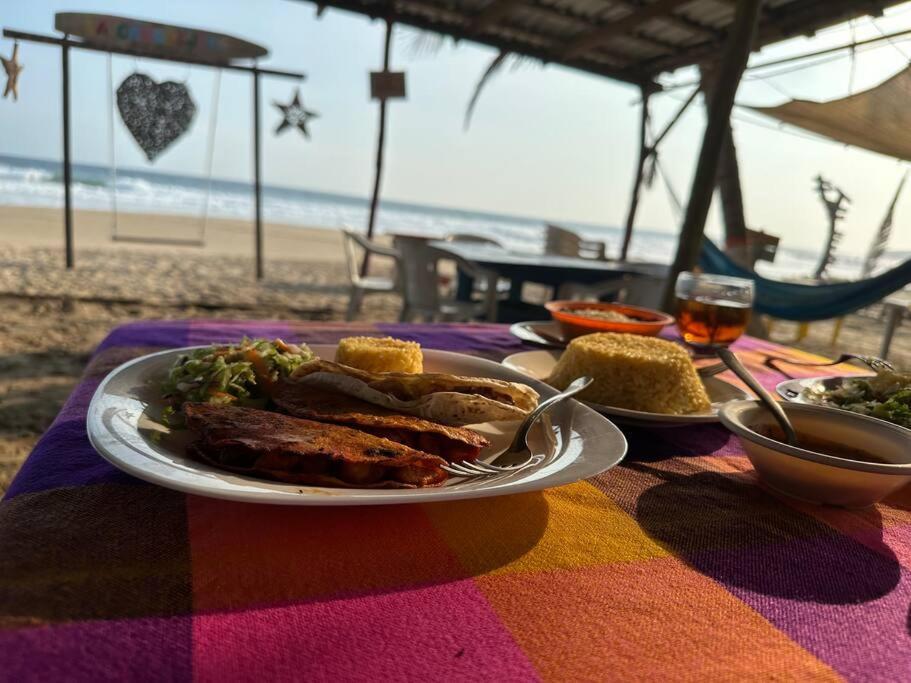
[793, 389]
[539, 364]
[122, 427]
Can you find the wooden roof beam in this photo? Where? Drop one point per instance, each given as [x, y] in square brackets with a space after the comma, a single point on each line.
[687, 24]
[455, 26]
[494, 12]
[586, 21]
[598, 36]
[492, 17]
[776, 25]
[798, 17]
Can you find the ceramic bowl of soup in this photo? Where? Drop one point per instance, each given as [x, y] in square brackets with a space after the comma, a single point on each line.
[843, 458]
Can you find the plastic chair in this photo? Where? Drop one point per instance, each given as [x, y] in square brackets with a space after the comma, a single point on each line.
[361, 285]
[565, 242]
[503, 286]
[420, 282]
[469, 237]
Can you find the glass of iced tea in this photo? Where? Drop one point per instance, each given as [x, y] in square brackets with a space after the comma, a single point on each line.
[712, 310]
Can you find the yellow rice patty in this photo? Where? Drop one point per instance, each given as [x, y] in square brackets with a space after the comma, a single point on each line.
[375, 354]
[633, 372]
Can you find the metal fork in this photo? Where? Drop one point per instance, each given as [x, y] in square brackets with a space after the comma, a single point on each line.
[466, 468]
[874, 363]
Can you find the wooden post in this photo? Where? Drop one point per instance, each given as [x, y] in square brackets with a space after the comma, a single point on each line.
[727, 181]
[381, 137]
[644, 152]
[257, 180]
[733, 61]
[380, 142]
[67, 161]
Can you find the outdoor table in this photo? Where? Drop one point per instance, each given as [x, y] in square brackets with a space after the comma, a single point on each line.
[674, 565]
[546, 269]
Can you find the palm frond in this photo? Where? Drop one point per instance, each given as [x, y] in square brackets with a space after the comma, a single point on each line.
[881, 239]
[495, 65]
[420, 43]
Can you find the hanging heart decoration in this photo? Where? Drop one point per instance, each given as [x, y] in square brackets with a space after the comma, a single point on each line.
[156, 114]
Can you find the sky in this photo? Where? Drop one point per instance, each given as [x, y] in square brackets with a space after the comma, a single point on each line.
[545, 142]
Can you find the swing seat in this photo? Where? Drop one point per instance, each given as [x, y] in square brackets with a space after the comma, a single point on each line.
[200, 239]
[174, 242]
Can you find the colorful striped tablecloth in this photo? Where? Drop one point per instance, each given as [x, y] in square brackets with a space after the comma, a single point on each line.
[674, 565]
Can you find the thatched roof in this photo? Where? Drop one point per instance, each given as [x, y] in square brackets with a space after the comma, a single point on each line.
[629, 40]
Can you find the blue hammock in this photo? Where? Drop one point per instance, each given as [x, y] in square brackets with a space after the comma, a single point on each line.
[804, 303]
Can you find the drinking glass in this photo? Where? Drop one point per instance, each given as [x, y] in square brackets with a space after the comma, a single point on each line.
[712, 310]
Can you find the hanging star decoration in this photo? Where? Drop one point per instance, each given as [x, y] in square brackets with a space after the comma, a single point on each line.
[13, 68]
[294, 115]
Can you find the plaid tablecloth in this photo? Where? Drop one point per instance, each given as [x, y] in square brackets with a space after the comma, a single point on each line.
[674, 565]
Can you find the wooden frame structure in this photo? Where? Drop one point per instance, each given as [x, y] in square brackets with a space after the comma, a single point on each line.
[65, 43]
[634, 41]
[627, 40]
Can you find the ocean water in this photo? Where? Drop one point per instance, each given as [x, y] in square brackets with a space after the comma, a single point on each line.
[35, 182]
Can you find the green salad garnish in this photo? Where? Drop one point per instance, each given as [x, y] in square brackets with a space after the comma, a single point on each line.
[234, 374]
[886, 396]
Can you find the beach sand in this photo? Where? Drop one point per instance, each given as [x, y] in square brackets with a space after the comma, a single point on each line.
[51, 318]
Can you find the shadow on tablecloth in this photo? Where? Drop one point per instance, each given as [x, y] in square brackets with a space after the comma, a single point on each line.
[732, 530]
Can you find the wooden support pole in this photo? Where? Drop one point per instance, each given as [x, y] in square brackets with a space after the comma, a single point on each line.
[727, 180]
[257, 180]
[380, 144]
[644, 152]
[67, 161]
[66, 43]
[731, 194]
[66, 40]
[733, 61]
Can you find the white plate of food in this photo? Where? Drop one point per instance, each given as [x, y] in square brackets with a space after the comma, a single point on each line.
[885, 395]
[666, 382]
[246, 451]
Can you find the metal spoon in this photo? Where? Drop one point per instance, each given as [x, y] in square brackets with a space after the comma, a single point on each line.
[764, 396]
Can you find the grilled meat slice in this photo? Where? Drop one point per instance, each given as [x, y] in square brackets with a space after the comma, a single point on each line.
[288, 449]
[322, 405]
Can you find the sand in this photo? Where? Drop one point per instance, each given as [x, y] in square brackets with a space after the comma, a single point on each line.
[51, 318]
[31, 227]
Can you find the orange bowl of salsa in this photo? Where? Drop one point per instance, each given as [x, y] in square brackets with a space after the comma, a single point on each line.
[586, 317]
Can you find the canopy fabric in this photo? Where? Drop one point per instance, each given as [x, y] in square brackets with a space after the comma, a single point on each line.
[793, 301]
[877, 119]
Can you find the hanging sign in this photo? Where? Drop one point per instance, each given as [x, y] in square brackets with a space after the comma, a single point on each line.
[148, 39]
[387, 85]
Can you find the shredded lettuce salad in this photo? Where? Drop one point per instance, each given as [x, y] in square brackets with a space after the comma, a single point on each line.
[234, 374]
[886, 396]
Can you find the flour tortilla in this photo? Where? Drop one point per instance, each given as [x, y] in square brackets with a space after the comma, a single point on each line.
[447, 399]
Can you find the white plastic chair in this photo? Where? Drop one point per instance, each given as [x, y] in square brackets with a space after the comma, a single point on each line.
[361, 285]
[420, 282]
[565, 242]
[480, 286]
[470, 237]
